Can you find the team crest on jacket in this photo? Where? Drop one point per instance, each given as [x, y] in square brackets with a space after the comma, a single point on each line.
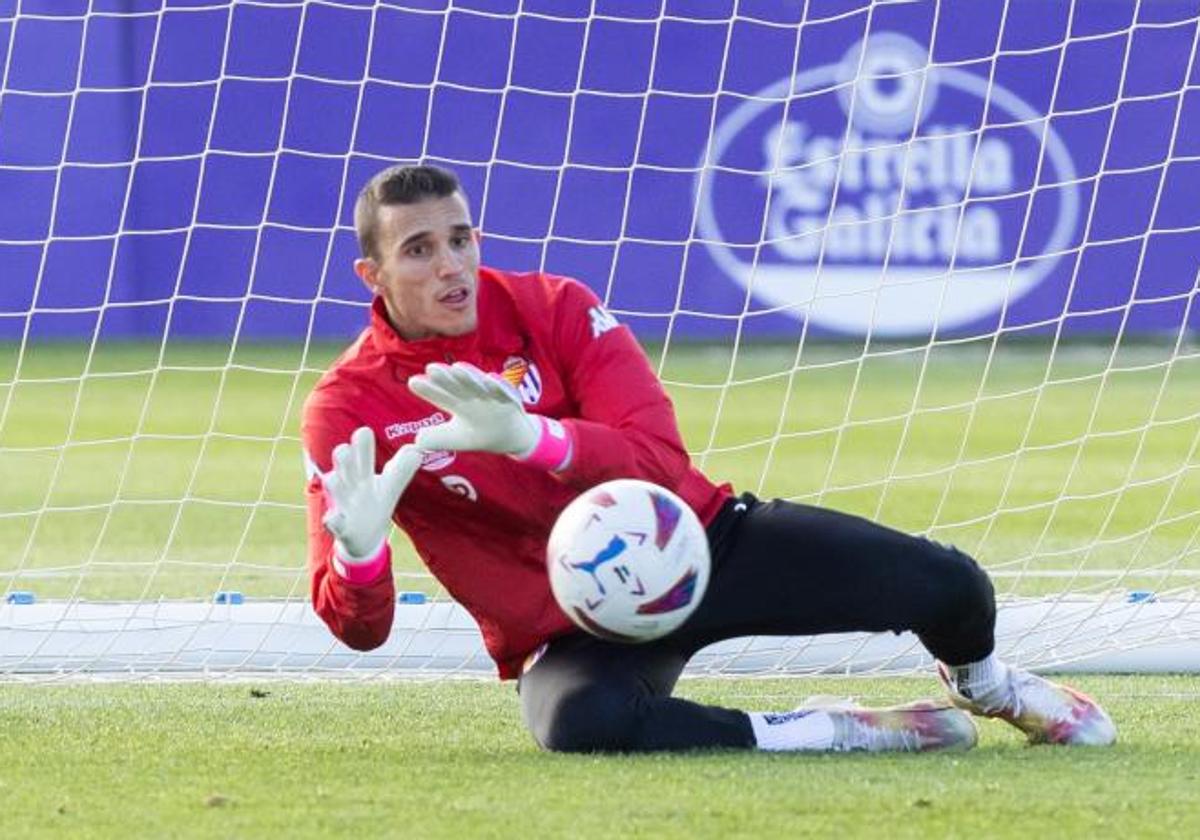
[523, 375]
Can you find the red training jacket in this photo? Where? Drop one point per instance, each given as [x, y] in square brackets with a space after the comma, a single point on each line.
[480, 520]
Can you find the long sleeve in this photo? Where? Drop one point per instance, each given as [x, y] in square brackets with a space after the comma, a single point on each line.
[626, 423]
[359, 614]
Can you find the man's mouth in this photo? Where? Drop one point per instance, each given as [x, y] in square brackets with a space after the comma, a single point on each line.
[457, 296]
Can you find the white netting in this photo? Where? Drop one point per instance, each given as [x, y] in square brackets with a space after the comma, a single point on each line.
[932, 262]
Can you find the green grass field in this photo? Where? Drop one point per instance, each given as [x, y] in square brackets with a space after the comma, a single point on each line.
[452, 760]
[177, 476]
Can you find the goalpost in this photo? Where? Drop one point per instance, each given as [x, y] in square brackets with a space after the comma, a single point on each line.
[932, 262]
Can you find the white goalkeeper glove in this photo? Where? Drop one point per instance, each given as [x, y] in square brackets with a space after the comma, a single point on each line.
[487, 414]
[363, 501]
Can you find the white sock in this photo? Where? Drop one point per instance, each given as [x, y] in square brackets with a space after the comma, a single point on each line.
[803, 729]
[983, 682]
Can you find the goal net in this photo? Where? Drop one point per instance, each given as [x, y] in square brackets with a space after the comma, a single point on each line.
[935, 263]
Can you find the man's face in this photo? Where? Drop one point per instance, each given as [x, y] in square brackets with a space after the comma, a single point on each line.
[427, 267]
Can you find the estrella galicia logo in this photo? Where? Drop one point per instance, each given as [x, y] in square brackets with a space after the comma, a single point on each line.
[865, 197]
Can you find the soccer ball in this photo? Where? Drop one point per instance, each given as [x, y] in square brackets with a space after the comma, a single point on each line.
[628, 561]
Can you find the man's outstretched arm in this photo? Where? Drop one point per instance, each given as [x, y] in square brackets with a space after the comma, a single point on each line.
[625, 426]
[349, 516]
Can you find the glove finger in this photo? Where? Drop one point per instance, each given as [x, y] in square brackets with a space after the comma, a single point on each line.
[446, 436]
[428, 391]
[437, 372]
[501, 390]
[490, 385]
[334, 521]
[471, 380]
[452, 381]
[398, 472]
[331, 478]
[331, 483]
[466, 370]
[363, 444]
[343, 463]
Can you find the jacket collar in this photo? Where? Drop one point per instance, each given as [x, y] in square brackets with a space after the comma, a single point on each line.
[488, 334]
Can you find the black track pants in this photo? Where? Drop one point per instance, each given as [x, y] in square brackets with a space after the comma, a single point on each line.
[778, 569]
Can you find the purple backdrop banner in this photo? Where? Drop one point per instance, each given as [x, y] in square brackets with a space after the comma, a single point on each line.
[903, 169]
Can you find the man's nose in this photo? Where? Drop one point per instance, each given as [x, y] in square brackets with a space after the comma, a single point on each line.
[449, 262]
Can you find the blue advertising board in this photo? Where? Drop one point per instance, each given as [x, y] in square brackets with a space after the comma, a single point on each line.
[839, 166]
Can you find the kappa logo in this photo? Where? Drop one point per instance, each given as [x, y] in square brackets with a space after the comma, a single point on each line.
[399, 430]
[433, 460]
[887, 209]
[525, 377]
[602, 321]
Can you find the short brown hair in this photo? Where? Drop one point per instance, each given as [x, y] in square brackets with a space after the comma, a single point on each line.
[397, 185]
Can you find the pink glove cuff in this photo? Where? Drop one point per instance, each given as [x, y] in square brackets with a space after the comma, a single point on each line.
[553, 448]
[365, 571]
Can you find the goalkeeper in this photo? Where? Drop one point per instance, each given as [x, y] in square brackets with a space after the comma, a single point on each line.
[478, 403]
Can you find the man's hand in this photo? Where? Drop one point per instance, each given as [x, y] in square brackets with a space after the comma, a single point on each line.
[362, 502]
[487, 414]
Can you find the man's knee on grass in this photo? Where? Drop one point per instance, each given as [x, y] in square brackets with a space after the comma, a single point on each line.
[590, 718]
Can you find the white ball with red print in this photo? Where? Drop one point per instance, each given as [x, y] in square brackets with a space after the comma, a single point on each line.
[628, 561]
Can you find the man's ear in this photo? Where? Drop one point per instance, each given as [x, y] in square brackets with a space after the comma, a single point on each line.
[368, 272]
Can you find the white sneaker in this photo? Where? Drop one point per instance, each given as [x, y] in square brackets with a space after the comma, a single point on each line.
[915, 727]
[1048, 713]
